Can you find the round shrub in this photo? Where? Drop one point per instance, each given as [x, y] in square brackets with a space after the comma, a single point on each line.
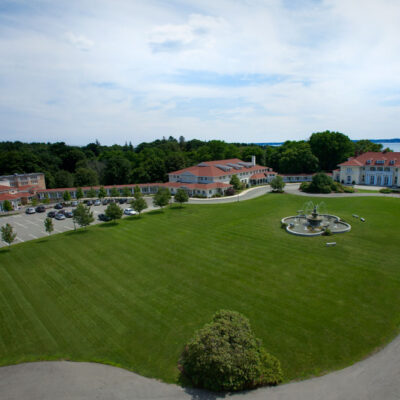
[226, 356]
[321, 183]
[304, 186]
[230, 191]
[385, 190]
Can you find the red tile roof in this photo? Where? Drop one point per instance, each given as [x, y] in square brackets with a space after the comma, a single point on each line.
[98, 187]
[209, 168]
[17, 196]
[372, 156]
[202, 186]
[260, 175]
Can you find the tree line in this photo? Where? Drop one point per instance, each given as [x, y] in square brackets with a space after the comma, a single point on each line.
[96, 164]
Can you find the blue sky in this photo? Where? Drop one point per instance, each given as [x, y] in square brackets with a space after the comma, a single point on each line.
[236, 70]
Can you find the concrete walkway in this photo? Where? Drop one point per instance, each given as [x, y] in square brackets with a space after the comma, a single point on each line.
[375, 378]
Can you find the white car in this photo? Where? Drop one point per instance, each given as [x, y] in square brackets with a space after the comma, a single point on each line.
[30, 210]
[130, 211]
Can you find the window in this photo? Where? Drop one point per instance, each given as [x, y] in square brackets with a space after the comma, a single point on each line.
[348, 170]
[372, 179]
[386, 180]
[380, 168]
[380, 162]
[372, 169]
[387, 169]
[391, 162]
[368, 161]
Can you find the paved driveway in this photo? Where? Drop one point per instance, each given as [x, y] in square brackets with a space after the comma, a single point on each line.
[29, 227]
[376, 378]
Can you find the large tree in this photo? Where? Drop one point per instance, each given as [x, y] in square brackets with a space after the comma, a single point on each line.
[331, 148]
[365, 145]
[86, 177]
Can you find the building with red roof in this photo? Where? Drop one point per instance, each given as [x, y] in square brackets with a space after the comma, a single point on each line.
[20, 188]
[371, 168]
[210, 178]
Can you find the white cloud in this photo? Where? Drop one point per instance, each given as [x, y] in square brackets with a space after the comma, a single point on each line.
[79, 41]
[339, 59]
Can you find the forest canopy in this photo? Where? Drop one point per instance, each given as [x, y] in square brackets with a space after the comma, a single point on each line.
[96, 164]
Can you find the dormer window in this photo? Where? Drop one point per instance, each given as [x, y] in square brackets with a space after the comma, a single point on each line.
[391, 162]
[380, 162]
[368, 161]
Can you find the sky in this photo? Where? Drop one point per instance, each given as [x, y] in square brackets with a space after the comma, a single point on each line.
[234, 70]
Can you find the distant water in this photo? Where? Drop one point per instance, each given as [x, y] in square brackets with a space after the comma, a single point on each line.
[392, 146]
[395, 145]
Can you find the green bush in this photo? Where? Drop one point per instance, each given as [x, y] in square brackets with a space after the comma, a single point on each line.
[385, 190]
[348, 189]
[217, 195]
[304, 186]
[321, 183]
[277, 184]
[226, 356]
[284, 225]
[7, 206]
[338, 187]
[327, 232]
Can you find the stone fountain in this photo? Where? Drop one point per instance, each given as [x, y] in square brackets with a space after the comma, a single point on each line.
[311, 223]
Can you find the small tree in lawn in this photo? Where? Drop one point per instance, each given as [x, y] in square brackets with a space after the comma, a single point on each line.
[7, 234]
[137, 192]
[126, 192]
[235, 182]
[67, 196]
[113, 211]
[277, 184]
[181, 196]
[48, 225]
[162, 197]
[225, 355]
[114, 192]
[91, 193]
[82, 215]
[46, 199]
[102, 193]
[139, 204]
[34, 201]
[79, 193]
[7, 206]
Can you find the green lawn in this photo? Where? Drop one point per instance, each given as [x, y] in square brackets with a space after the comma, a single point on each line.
[132, 294]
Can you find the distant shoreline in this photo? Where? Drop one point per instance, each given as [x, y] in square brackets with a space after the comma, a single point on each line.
[397, 140]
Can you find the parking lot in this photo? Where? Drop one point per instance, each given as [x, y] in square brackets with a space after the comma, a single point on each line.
[31, 226]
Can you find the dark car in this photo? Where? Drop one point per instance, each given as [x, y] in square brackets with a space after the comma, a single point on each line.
[103, 217]
[40, 209]
[122, 201]
[51, 214]
[69, 214]
[58, 206]
[105, 202]
[89, 203]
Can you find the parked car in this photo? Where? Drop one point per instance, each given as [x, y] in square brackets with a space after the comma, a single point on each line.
[97, 203]
[130, 211]
[51, 214]
[89, 203]
[69, 214]
[103, 217]
[40, 209]
[58, 206]
[122, 201]
[74, 203]
[62, 212]
[105, 202]
[60, 216]
[30, 210]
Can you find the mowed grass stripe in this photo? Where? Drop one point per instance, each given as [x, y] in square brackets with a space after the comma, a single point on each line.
[133, 293]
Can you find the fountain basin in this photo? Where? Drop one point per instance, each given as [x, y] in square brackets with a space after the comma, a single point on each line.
[303, 225]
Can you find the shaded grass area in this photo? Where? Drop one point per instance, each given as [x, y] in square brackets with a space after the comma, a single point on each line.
[132, 294]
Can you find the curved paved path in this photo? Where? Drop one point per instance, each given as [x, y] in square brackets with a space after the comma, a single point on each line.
[375, 378]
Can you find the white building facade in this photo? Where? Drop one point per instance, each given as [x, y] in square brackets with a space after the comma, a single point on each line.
[372, 168]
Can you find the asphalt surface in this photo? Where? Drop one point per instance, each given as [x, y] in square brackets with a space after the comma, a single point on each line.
[31, 226]
[375, 378]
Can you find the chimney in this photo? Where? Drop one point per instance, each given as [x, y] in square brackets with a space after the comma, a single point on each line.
[253, 160]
